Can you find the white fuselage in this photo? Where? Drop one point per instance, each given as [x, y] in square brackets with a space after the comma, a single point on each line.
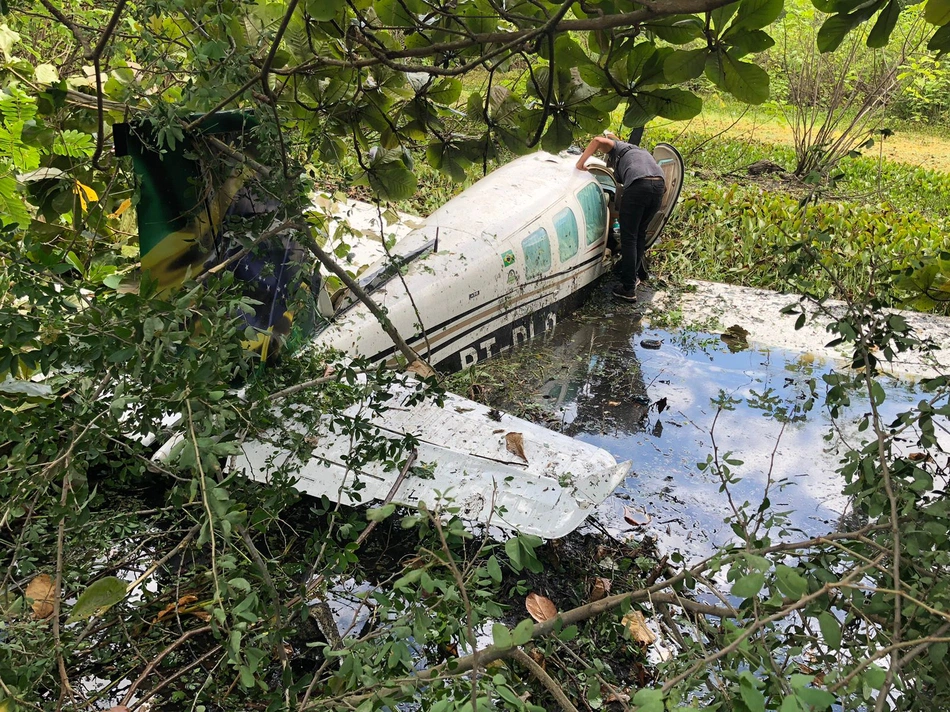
[501, 257]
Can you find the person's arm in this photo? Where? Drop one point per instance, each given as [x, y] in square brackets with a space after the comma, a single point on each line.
[598, 143]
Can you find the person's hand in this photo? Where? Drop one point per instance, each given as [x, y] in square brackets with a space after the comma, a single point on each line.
[581, 165]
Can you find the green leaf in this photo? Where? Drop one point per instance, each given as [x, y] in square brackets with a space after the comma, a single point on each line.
[835, 28]
[46, 74]
[392, 181]
[75, 262]
[746, 82]
[749, 691]
[937, 12]
[721, 16]
[522, 632]
[748, 585]
[677, 29]
[445, 91]
[651, 72]
[790, 582]
[501, 636]
[513, 549]
[100, 595]
[755, 14]
[940, 42]
[393, 13]
[750, 42]
[817, 699]
[677, 104]
[378, 514]
[122, 355]
[324, 10]
[494, 569]
[637, 59]
[874, 677]
[648, 700]
[790, 704]
[685, 64]
[641, 108]
[559, 134]
[12, 209]
[8, 38]
[830, 629]
[886, 21]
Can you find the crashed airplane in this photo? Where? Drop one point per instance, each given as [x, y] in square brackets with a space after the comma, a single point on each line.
[494, 266]
[487, 271]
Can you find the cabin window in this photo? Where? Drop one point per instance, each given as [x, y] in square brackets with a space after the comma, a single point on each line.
[537, 253]
[594, 206]
[565, 225]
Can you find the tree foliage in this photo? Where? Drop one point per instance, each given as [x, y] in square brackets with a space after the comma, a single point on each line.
[208, 591]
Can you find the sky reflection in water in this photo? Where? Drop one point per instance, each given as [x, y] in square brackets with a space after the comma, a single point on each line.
[610, 390]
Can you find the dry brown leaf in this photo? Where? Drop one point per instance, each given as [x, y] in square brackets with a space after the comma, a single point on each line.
[178, 607]
[515, 444]
[600, 588]
[40, 589]
[635, 517]
[540, 608]
[617, 696]
[917, 456]
[420, 368]
[636, 625]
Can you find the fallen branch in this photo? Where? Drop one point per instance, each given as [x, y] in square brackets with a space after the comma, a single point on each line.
[549, 684]
[358, 291]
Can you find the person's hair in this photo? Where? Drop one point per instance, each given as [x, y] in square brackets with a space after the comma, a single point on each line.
[611, 135]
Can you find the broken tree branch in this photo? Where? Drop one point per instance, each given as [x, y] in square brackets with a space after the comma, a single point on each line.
[360, 294]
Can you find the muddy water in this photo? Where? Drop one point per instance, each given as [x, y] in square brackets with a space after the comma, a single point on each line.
[665, 400]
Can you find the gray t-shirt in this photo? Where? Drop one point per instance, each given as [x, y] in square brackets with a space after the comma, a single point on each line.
[632, 162]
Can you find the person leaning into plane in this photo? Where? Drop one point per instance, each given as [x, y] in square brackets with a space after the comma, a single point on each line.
[643, 188]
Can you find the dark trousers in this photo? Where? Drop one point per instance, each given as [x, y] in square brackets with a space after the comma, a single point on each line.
[638, 204]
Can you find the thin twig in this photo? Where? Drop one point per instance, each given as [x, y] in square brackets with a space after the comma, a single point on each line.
[549, 684]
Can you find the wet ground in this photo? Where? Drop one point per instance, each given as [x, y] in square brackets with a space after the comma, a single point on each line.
[666, 400]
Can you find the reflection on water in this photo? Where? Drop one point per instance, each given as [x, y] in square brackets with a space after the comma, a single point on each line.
[660, 408]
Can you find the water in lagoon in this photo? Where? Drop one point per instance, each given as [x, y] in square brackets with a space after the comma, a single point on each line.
[660, 408]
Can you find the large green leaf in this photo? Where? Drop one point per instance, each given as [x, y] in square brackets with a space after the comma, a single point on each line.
[835, 28]
[324, 10]
[641, 108]
[886, 21]
[749, 42]
[589, 118]
[677, 104]
[651, 73]
[830, 629]
[685, 64]
[102, 594]
[940, 42]
[391, 179]
[937, 12]
[394, 13]
[568, 52]
[449, 159]
[721, 16]
[677, 29]
[445, 91]
[559, 134]
[754, 14]
[748, 586]
[12, 209]
[636, 61]
[745, 81]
